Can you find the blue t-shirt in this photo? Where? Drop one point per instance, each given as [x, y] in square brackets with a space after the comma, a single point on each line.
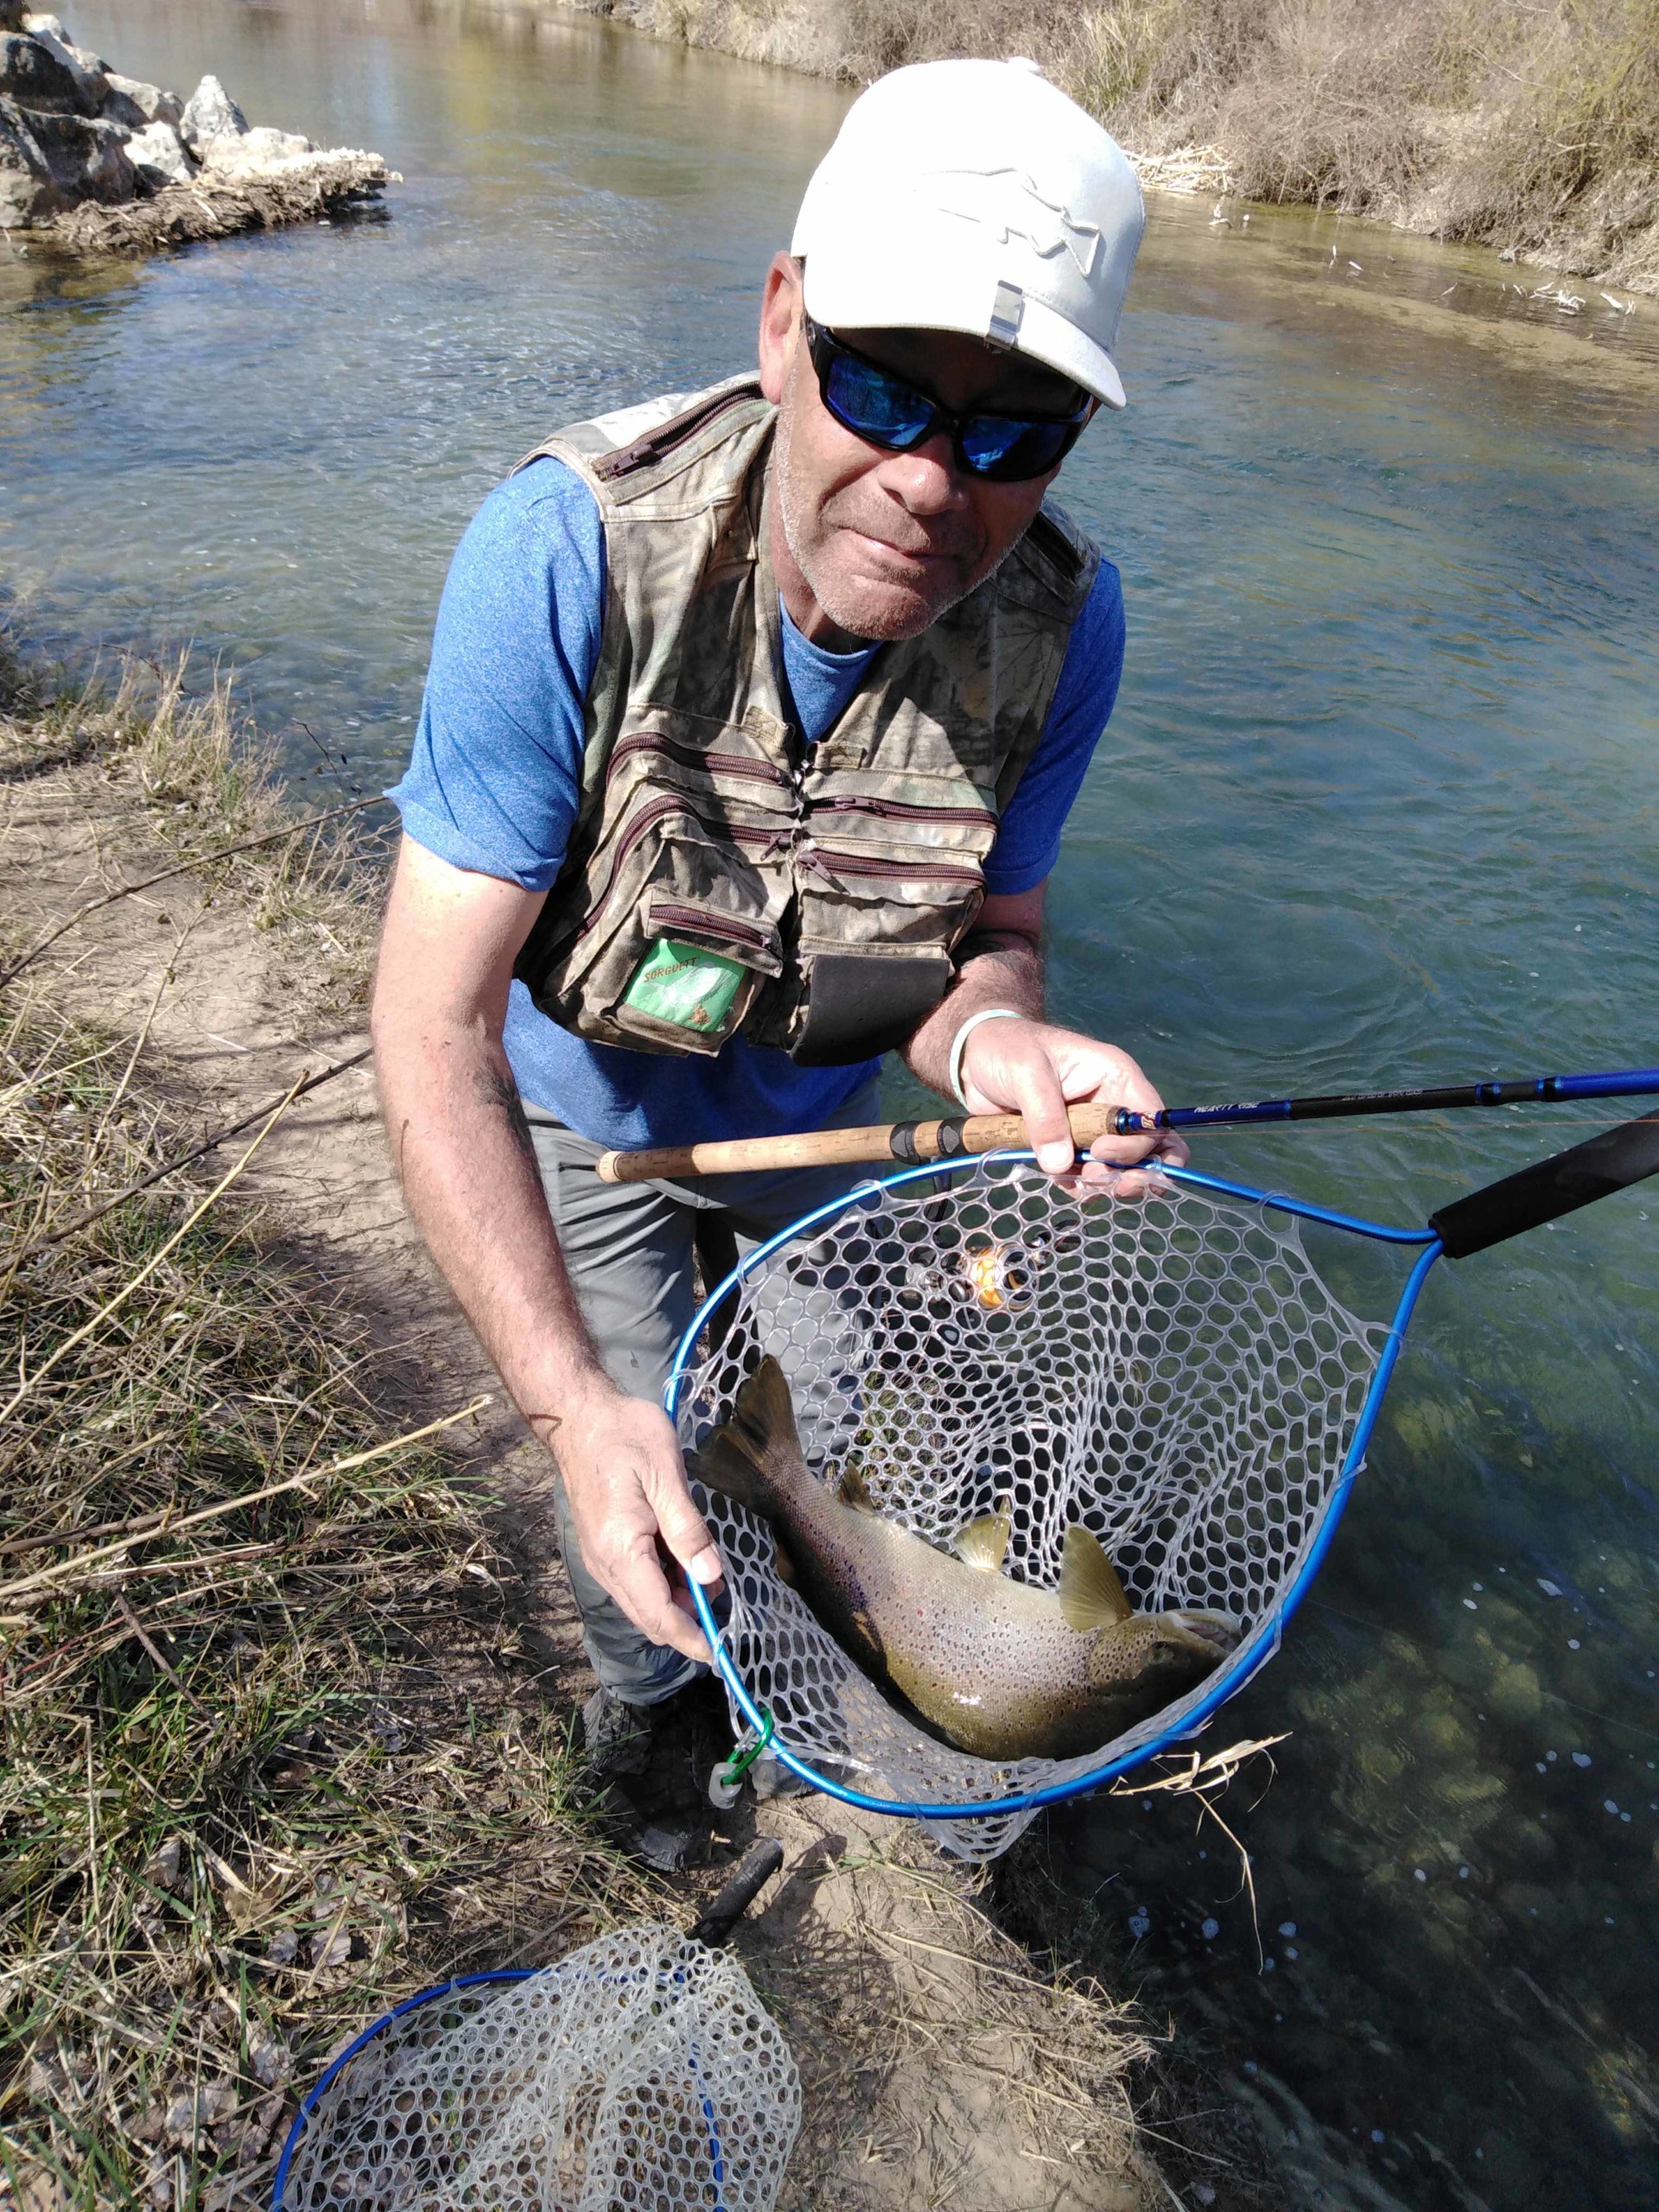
[494, 785]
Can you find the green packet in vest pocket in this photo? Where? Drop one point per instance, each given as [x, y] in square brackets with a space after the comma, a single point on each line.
[687, 986]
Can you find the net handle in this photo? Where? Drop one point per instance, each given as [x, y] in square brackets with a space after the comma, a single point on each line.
[954, 1137]
[1549, 1188]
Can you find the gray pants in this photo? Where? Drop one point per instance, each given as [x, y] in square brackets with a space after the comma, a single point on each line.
[629, 1250]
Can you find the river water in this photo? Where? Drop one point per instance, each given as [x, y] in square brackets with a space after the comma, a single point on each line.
[1379, 806]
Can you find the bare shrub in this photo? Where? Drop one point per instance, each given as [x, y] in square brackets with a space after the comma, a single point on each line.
[1518, 121]
[1334, 109]
[1573, 107]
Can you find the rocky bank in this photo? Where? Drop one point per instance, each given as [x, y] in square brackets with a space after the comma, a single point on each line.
[92, 161]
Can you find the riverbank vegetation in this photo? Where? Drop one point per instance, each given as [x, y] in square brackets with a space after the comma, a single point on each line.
[1533, 128]
[267, 1766]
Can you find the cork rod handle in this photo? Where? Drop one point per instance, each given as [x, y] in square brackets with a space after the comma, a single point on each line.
[906, 1142]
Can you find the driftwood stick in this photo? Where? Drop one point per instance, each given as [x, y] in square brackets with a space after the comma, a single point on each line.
[146, 1530]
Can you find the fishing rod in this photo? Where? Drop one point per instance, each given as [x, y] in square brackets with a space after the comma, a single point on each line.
[959, 1136]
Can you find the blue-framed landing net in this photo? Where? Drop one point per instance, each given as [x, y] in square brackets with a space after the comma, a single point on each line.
[1170, 1370]
[641, 2071]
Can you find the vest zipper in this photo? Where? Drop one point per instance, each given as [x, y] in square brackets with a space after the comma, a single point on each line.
[648, 816]
[730, 764]
[856, 864]
[893, 810]
[692, 922]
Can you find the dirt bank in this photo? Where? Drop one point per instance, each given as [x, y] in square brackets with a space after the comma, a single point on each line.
[263, 1783]
[1533, 130]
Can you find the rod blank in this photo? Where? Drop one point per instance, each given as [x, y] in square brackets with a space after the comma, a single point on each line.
[1343, 1105]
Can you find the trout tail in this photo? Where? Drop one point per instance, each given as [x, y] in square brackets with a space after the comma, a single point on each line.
[754, 1456]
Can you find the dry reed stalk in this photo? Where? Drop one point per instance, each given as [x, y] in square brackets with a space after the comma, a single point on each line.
[306, 1084]
[1204, 1779]
[11, 973]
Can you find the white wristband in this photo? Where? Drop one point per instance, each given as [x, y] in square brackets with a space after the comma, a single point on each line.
[985, 1013]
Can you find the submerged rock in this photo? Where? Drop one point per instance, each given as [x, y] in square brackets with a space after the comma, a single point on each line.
[92, 160]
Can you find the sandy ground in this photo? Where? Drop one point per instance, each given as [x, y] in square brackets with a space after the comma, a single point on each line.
[939, 2071]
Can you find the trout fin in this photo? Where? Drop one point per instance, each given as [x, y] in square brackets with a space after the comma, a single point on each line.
[851, 1490]
[983, 1544]
[1091, 1597]
[720, 1467]
[785, 1566]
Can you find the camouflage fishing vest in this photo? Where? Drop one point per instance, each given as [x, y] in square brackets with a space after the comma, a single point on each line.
[723, 877]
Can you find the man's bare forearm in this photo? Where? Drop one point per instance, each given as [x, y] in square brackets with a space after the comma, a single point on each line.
[463, 1154]
[997, 968]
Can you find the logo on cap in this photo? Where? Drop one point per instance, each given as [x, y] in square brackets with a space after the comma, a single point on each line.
[1007, 202]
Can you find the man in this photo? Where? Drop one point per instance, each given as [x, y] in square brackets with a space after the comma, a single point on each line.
[751, 724]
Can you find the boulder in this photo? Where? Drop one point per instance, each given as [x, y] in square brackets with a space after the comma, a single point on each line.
[11, 15]
[136, 104]
[28, 191]
[92, 76]
[157, 154]
[86, 157]
[210, 113]
[39, 80]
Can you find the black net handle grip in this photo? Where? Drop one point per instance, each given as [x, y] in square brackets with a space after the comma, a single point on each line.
[1595, 1169]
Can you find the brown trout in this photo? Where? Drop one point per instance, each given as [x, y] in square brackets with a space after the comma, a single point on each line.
[993, 1666]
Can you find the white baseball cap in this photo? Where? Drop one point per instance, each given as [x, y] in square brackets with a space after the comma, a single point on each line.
[975, 196]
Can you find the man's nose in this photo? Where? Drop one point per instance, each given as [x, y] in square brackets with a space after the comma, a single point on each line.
[926, 479]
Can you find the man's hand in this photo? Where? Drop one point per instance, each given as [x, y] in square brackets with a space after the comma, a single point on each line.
[619, 1460]
[1033, 1069]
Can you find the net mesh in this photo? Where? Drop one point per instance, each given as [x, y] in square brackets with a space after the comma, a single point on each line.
[1169, 1371]
[640, 2075]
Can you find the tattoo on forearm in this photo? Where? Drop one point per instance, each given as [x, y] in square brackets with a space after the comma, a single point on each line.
[500, 1091]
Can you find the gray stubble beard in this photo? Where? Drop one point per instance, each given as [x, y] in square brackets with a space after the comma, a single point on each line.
[790, 515]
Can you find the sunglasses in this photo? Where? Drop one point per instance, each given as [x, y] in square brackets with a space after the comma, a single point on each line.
[884, 410]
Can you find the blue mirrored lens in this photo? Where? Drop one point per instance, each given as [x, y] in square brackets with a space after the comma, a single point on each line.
[876, 405]
[993, 444]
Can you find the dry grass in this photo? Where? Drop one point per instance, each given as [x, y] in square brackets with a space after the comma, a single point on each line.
[208, 780]
[265, 1771]
[1529, 125]
[262, 1776]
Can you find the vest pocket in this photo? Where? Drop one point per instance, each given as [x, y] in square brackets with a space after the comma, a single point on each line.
[698, 979]
[680, 932]
[877, 928]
